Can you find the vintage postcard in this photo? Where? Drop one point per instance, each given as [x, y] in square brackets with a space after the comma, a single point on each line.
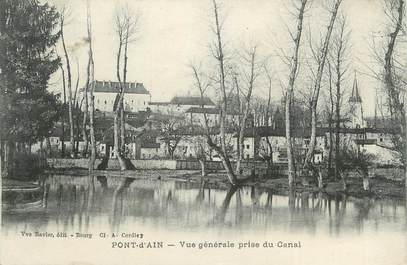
[203, 132]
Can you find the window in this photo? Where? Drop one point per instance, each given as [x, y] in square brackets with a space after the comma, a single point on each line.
[381, 139]
[105, 102]
[247, 146]
[247, 156]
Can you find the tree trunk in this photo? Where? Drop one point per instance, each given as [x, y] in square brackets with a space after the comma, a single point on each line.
[68, 68]
[85, 118]
[289, 95]
[405, 146]
[223, 111]
[116, 142]
[317, 87]
[91, 84]
[366, 181]
[6, 166]
[63, 116]
[202, 163]
[252, 54]
[49, 148]
[320, 178]
[122, 121]
[122, 131]
[337, 128]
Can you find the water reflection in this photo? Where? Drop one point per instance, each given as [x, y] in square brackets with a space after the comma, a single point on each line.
[82, 204]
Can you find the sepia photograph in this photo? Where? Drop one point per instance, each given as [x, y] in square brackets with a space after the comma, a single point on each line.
[204, 132]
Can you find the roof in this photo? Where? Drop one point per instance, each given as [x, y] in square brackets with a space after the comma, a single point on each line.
[158, 103]
[264, 131]
[199, 101]
[365, 141]
[209, 111]
[368, 130]
[150, 145]
[112, 87]
[355, 97]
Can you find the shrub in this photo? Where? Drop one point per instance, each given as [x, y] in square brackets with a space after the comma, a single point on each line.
[27, 166]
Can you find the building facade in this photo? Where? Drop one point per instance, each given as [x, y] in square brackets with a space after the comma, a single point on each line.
[136, 96]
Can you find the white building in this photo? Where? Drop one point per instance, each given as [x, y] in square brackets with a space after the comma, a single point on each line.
[136, 97]
[258, 140]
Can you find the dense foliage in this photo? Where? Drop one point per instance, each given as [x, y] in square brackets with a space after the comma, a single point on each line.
[28, 34]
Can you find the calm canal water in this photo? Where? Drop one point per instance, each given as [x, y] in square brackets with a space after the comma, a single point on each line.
[175, 211]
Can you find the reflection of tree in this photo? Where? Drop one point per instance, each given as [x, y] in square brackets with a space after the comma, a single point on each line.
[201, 193]
[220, 216]
[340, 209]
[239, 207]
[255, 196]
[103, 182]
[117, 203]
[362, 207]
[90, 201]
[269, 202]
[45, 196]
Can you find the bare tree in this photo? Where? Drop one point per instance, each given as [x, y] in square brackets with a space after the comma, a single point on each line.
[330, 113]
[90, 88]
[126, 25]
[393, 84]
[171, 130]
[202, 83]
[63, 16]
[338, 57]
[317, 84]
[268, 115]
[290, 89]
[63, 116]
[85, 94]
[249, 79]
[218, 54]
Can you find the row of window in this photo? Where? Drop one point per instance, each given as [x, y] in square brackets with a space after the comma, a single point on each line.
[124, 101]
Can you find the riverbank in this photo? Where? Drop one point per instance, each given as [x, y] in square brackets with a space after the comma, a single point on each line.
[380, 187]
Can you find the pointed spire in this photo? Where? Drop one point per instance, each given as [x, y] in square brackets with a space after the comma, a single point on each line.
[355, 97]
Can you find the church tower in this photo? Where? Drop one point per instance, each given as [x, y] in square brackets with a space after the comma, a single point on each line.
[355, 102]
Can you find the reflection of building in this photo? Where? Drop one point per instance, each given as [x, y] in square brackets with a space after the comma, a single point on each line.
[136, 96]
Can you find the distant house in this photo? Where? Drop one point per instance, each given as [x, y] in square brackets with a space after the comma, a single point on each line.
[136, 97]
[178, 105]
[150, 150]
[259, 140]
[374, 141]
[196, 116]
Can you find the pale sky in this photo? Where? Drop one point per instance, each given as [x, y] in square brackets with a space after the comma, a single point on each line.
[174, 33]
